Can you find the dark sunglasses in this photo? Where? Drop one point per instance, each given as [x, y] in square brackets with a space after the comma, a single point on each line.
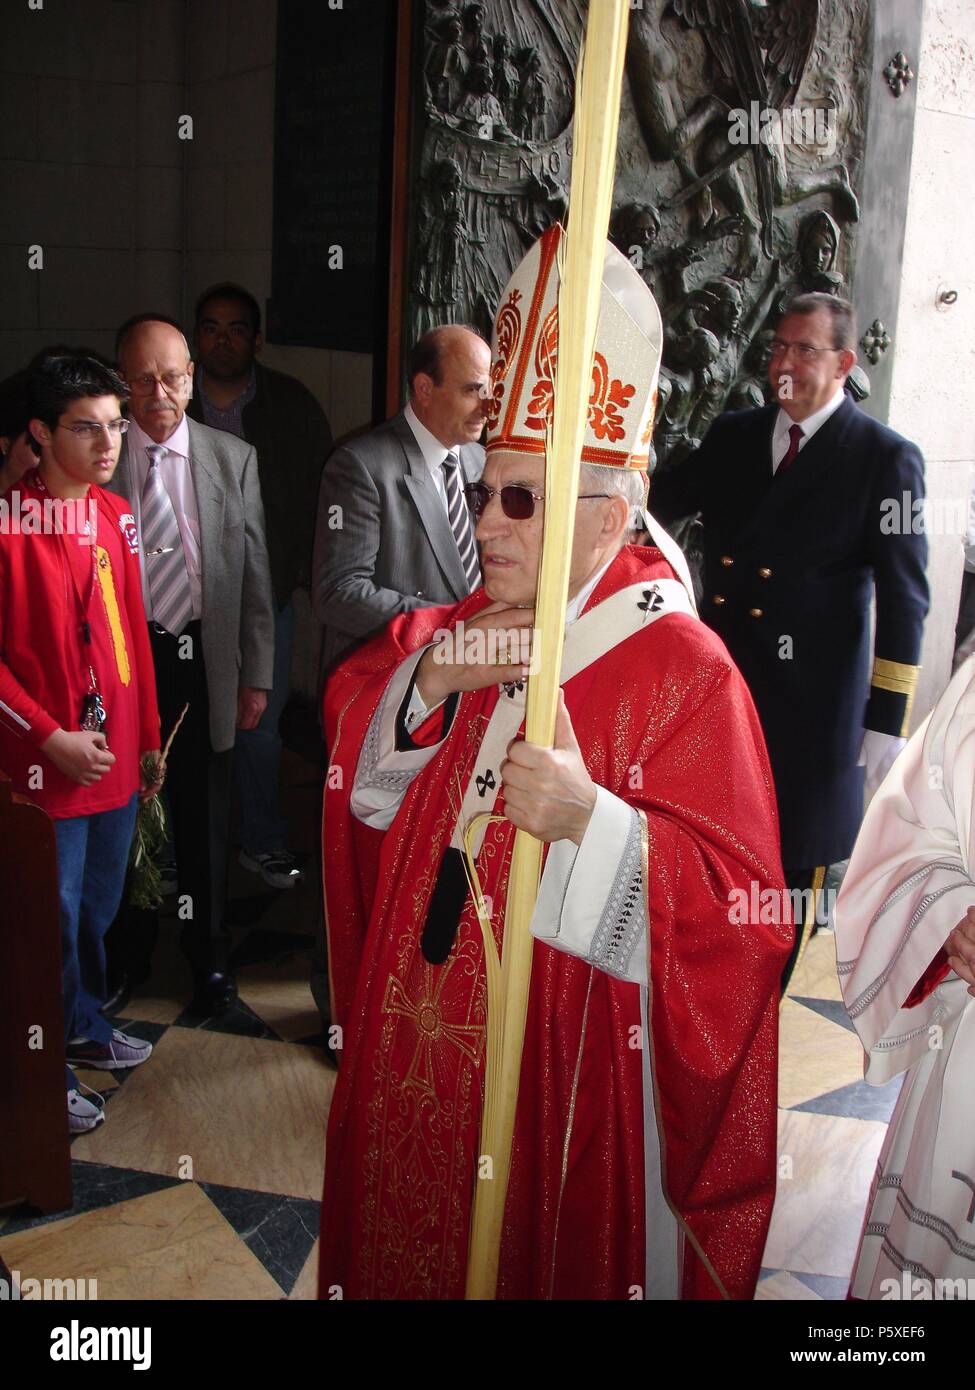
[517, 502]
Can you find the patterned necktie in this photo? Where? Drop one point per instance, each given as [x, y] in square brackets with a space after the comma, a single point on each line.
[162, 546]
[460, 522]
[795, 439]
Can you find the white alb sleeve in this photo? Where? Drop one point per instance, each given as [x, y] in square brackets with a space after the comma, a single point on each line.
[592, 901]
[384, 774]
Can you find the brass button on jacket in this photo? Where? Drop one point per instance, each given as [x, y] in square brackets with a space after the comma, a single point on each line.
[754, 612]
[764, 573]
[727, 560]
[719, 598]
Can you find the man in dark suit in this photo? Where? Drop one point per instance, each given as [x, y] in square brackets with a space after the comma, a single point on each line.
[196, 507]
[809, 508]
[288, 428]
[394, 531]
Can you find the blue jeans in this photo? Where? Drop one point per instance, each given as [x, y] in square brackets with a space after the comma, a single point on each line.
[93, 852]
[257, 752]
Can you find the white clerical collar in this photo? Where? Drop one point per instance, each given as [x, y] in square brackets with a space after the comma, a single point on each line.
[809, 426]
[177, 443]
[575, 605]
[431, 448]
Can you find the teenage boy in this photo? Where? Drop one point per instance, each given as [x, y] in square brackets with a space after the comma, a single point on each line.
[77, 688]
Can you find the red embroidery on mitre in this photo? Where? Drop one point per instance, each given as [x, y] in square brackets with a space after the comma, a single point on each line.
[548, 245]
[542, 401]
[507, 335]
[610, 397]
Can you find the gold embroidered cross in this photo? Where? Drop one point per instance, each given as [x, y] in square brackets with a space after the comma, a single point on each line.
[433, 1029]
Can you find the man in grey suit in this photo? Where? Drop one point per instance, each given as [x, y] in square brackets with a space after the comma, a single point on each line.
[394, 531]
[196, 505]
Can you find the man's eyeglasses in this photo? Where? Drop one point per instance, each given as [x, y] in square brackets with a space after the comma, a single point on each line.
[88, 429]
[517, 502]
[804, 351]
[145, 385]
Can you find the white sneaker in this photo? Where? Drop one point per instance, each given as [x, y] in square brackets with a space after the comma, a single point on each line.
[84, 1113]
[123, 1051]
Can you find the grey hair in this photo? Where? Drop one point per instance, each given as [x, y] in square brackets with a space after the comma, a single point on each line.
[628, 483]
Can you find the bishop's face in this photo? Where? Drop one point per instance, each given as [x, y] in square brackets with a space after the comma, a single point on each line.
[511, 550]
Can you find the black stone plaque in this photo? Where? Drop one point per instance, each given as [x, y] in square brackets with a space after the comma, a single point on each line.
[332, 153]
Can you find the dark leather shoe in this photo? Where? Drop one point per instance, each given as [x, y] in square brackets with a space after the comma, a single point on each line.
[213, 994]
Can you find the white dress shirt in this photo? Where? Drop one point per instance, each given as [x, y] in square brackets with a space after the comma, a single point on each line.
[174, 470]
[809, 426]
[433, 453]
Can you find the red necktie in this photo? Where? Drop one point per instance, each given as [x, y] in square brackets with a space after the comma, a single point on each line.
[795, 436]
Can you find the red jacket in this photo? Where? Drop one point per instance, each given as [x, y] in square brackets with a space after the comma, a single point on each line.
[48, 593]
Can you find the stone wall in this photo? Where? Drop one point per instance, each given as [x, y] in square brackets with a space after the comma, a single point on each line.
[933, 388]
[90, 169]
[230, 182]
[128, 215]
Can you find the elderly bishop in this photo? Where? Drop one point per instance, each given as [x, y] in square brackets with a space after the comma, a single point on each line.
[643, 1160]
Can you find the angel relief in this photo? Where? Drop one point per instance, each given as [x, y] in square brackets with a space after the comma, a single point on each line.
[757, 54]
[723, 226]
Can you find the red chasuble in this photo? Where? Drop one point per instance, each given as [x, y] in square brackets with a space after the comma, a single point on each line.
[664, 722]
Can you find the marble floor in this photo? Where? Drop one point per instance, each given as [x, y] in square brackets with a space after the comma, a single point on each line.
[204, 1181]
[831, 1127]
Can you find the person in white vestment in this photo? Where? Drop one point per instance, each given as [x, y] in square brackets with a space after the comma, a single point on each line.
[905, 944]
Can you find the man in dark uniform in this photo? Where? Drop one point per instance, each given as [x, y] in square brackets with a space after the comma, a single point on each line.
[809, 507]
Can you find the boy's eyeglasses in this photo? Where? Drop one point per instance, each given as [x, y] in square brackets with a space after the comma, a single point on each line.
[88, 429]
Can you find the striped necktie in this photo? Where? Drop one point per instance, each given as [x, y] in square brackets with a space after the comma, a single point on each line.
[162, 546]
[460, 522]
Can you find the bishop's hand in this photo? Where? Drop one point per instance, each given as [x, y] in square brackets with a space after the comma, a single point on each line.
[468, 657]
[547, 791]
